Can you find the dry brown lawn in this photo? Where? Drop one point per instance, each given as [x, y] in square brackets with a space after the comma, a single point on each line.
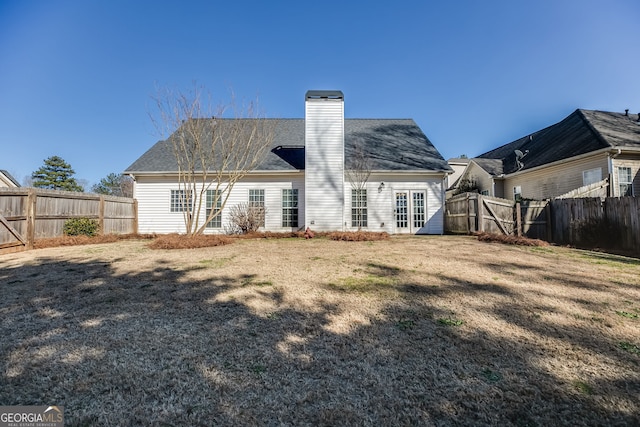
[438, 330]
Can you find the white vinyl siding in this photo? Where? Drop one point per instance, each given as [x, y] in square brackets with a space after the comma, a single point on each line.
[154, 214]
[324, 164]
[552, 181]
[381, 201]
[631, 162]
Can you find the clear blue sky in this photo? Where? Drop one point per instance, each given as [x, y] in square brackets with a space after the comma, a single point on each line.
[76, 77]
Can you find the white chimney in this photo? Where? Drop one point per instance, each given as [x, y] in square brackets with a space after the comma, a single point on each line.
[324, 160]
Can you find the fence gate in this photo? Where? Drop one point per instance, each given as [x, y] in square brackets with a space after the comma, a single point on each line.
[9, 236]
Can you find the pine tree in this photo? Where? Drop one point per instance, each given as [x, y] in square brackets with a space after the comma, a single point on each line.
[114, 185]
[56, 174]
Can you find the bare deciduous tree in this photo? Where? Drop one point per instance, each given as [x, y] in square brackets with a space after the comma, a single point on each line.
[213, 149]
[357, 172]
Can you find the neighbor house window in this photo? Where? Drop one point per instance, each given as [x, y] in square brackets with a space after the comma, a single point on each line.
[591, 176]
[256, 200]
[290, 207]
[180, 200]
[358, 208]
[625, 183]
[214, 197]
[517, 193]
[484, 192]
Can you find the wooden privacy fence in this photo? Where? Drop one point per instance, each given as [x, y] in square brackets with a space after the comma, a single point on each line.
[610, 223]
[28, 214]
[472, 212]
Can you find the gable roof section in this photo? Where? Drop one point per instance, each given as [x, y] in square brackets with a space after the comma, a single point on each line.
[392, 144]
[491, 166]
[582, 132]
[8, 179]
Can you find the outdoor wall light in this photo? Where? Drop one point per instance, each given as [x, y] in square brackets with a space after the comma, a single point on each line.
[380, 187]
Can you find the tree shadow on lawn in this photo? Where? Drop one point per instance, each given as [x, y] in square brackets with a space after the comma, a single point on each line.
[158, 347]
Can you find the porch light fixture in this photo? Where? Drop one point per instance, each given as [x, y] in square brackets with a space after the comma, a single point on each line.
[381, 187]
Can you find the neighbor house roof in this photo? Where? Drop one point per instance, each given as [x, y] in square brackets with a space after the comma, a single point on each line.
[6, 176]
[582, 132]
[492, 166]
[391, 144]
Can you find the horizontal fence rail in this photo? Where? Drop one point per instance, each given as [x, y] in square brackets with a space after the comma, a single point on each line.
[611, 223]
[28, 214]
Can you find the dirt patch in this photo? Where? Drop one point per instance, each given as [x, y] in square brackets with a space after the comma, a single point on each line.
[438, 330]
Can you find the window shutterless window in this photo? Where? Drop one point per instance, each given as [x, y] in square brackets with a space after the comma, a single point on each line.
[290, 207]
[358, 208]
[214, 196]
[256, 200]
[517, 193]
[591, 176]
[180, 200]
[625, 182]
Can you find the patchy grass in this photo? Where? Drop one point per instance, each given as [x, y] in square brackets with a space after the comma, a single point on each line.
[627, 314]
[447, 321]
[287, 331]
[631, 348]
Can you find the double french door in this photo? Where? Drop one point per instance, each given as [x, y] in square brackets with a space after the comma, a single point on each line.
[410, 211]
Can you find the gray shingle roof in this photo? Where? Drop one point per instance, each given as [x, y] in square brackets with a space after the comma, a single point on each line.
[392, 144]
[492, 166]
[583, 131]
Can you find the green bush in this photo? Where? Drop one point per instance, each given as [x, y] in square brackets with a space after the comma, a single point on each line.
[81, 226]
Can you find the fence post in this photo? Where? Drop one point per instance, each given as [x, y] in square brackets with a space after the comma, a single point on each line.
[101, 216]
[480, 214]
[547, 210]
[518, 220]
[135, 216]
[31, 217]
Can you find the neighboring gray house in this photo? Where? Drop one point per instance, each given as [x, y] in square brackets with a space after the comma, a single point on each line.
[302, 182]
[586, 148]
[6, 180]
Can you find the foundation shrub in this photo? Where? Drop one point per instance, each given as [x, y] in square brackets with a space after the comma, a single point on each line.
[81, 227]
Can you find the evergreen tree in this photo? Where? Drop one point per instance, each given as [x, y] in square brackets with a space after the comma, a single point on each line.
[55, 174]
[114, 185]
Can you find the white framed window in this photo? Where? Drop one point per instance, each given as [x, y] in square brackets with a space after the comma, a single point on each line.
[484, 192]
[290, 207]
[359, 208]
[625, 182]
[181, 201]
[591, 176]
[214, 196]
[256, 200]
[517, 193]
